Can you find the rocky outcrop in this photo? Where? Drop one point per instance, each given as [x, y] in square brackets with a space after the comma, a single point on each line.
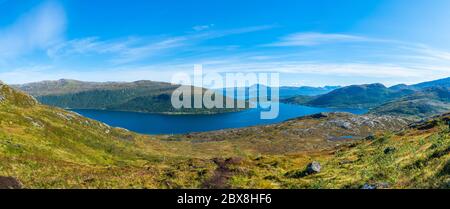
[15, 97]
[313, 168]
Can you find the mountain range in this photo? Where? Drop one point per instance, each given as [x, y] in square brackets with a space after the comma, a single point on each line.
[154, 97]
[358, 96]
[419, 100]
[283, 91]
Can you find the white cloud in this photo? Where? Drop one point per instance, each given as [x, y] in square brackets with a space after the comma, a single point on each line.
[398, 61]
[121, 51]
[85, 46]
[313, 39]
[38, 29]
[27, 74]
[202, 27]
[128, 50]
[140, 52]
[431, 52]
[346, 69]
[218, 34]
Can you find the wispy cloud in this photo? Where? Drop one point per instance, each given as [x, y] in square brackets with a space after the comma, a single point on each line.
[85, 46]
[202, 27]
[236, 31]
[431, 52]
[313, 39]
[130, 58]
[29, 73]
[122, 51]
[36, 30]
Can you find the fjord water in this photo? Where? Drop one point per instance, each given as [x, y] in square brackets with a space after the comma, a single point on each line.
[147, 123]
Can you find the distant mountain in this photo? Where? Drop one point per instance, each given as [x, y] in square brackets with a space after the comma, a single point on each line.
[418, 100]
[284, 91]
[355, 96]
[288, 91]
[63, 86]
[445, 82]
[139, 96]
[298, 99]
[400, 87]
[424, 103]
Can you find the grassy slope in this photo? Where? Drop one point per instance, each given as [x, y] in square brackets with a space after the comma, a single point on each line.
[48, 147]
[421, 160]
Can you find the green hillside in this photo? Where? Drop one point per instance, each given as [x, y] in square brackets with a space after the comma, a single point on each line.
[415, 101]
[358, 96]
[424, 103]
[139, 96]
[355, 96]
[298, 99]
[445, 82]
[47, 147]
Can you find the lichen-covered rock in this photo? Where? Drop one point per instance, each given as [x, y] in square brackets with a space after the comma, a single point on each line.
[313, 168]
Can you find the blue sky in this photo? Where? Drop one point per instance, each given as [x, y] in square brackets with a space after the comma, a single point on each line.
[320, 42]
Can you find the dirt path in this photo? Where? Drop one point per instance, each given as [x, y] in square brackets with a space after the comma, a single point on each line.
[9, 183]
[222, 173]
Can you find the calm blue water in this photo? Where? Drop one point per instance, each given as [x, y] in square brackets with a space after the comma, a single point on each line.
[175, 124]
